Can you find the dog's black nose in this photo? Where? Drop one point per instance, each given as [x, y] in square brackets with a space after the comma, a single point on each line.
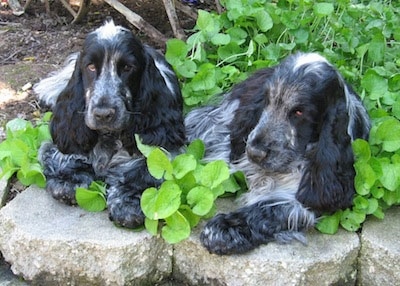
[105, 114]
[255, 154]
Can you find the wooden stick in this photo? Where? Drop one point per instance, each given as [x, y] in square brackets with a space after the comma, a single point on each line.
[173, 19]
[137, 21]
[191, 12]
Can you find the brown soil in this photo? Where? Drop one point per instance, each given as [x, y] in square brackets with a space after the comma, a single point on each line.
[35, 43]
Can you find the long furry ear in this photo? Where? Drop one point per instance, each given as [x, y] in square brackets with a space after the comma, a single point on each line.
[161, 100]
[328, 180]
[67, 127]
[253, 97]
[49, 88]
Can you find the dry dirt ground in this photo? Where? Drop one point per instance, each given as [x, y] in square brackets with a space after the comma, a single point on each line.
[35, 43]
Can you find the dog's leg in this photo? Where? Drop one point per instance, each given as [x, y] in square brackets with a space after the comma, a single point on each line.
[64, 172]
[127, 181]
[256, 224]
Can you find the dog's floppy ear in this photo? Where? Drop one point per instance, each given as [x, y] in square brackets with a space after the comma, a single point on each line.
[328, 180]
[161, 100]
[68, 128]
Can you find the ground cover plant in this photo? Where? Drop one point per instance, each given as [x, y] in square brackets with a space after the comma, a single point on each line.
[361, 38]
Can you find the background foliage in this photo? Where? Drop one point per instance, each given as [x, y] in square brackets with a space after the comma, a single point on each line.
[361, 38]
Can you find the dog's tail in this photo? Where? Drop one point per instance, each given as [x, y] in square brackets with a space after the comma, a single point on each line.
[49, 88]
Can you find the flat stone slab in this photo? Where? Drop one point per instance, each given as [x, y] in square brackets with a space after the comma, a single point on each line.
[49, 243]
[326, 260]
[379, 261]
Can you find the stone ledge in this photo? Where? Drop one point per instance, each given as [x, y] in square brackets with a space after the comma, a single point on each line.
[379, 259]
[326, 260]
[48, 242]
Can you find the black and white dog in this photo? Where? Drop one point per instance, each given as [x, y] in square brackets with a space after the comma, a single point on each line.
[289, 128]
[114, 88]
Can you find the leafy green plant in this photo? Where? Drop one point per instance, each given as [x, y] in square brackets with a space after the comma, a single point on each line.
[188, 191]
[18, 152]
[93, 198]
[361, 38]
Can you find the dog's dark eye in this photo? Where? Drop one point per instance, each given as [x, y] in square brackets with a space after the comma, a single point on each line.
[91, 67]
[127, 68]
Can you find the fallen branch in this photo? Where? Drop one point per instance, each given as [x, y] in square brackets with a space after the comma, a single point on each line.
[173, 19]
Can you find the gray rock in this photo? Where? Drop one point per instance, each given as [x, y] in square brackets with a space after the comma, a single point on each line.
[47, 242]
[379, 261]
[326, 260]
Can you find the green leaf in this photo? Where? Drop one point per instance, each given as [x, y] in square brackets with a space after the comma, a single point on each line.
[264, 20]
[390, 178]
[201, 199]
[160, 204]
[351, 220]
[388, 133]
[196, 148]
[177, 228]
[92, 201]
[191, 217]
[361, 149]
[329, 224]
[183, 164]
[323, 9]
[213, 174]
[151, 225]
[375, 84]
[144, 149]
[176, 51]
[159, 164]
[220, 39]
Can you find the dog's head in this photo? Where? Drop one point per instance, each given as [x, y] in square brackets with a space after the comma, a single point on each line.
[118, 85]
[305, 117]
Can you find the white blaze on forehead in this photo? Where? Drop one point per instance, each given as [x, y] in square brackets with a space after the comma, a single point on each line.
[309, 58]
[109, 30]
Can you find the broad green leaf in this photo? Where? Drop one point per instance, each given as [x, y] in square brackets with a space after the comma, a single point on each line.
[204, 79]
[201, 199]
[91, 201]
[220, 39]
[196, 148]
[323, 9]
[361, 149]
[159, 204]
[352, 220]
[264, 20]
[390, 178]
[151, 225]
[191, 217]
[159, 164]
[365, 177]
[388, 133]
[144, 149]
[375, 84]
[176, 51]
[177, 228]
[329, 224]
[213, 174]
[183, 164]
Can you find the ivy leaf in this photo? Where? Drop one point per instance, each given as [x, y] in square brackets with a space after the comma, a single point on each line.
[93, 198]
[213, 174]
[162, 203]
[183, 164]
[177, 228]
[159, 164]
[201, 199]
[323, 9]
[329, 224]
[151, 225]
[196, 148]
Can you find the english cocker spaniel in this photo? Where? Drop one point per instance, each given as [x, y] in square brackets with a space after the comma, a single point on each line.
[289, 128]
[114, 88]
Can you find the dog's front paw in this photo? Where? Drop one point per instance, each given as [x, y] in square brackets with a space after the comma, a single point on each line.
[227, 234]
[125, 211]
[62, 190]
